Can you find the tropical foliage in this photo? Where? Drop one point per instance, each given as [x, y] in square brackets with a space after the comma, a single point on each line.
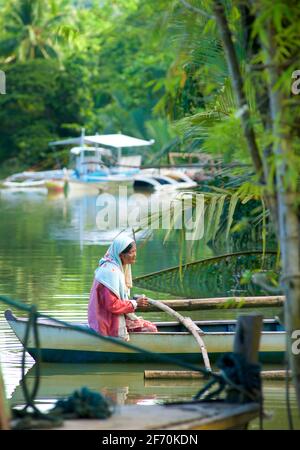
[69, 67]
[220, 276]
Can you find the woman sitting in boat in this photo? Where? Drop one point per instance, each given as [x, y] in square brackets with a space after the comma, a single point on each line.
[110, 311]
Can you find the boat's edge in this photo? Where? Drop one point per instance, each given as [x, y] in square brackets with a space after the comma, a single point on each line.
[9, 316]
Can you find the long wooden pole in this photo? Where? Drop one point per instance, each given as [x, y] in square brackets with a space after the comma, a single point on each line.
[189, 324]
[196, 304]
[190, 374]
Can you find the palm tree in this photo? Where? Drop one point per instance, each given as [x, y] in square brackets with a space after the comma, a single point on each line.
[29, 30]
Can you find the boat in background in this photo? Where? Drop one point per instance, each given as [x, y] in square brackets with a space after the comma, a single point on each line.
[30, 179]
[56, 186]
[96, 167]
[23, 184]
[163, 180]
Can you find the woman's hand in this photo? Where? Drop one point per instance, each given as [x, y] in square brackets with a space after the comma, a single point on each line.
[142, 301]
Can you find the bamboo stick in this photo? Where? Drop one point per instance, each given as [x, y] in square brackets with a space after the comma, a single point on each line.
[190, 374]
[221, 302]
[189, 324]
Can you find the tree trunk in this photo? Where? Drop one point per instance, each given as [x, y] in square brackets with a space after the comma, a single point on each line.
[288, 204]
[238, 86]
[287, 222]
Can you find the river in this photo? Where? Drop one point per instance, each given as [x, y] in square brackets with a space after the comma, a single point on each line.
[49, 248]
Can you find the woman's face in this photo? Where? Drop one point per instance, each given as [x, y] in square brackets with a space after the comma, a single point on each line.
[129, 257]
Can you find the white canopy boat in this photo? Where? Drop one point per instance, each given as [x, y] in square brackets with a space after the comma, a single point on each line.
[92, 172]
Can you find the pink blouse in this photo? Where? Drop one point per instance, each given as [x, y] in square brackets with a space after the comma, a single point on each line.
[104, 310]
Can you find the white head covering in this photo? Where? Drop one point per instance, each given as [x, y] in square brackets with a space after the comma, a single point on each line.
[111, 273]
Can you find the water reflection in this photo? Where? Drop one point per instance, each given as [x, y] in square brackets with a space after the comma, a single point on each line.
[123, 383]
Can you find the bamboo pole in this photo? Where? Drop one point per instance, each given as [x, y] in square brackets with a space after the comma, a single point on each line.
[190, 374]
[196, 304]
[189, 324]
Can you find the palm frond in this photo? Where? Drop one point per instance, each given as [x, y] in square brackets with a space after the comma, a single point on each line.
[220, 276]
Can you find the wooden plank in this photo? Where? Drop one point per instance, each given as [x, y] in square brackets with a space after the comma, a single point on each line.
[189, 374]
[220, 302]
[275, 374]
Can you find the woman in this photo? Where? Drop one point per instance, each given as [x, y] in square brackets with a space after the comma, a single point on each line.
[110, 311]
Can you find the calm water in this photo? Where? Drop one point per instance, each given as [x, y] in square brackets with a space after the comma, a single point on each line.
[49, 248]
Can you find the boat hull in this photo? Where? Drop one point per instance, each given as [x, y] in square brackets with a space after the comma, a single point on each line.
[24, 184]
[97, 186]
[61, 344]
[55, 185]
[83, 357]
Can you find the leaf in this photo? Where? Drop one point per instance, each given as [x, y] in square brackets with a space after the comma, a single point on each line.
[232, 206]
[218, 214]
[211, 213]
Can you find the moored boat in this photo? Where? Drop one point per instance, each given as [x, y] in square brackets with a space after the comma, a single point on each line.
[62, 344]
[23, 184]
[55, 185]
[159, 180]
[96, 168]
[35, 180]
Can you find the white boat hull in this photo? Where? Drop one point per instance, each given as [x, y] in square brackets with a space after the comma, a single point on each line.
[98, 186]
[63, 344]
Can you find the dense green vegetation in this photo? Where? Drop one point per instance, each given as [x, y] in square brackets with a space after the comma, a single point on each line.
[132, 66]
[69, 67]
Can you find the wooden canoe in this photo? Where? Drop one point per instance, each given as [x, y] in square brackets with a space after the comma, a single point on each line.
[61, 344]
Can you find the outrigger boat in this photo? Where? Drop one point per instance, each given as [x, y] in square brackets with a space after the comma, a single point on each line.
[62, 344]
[96, 168]
[32, 180]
